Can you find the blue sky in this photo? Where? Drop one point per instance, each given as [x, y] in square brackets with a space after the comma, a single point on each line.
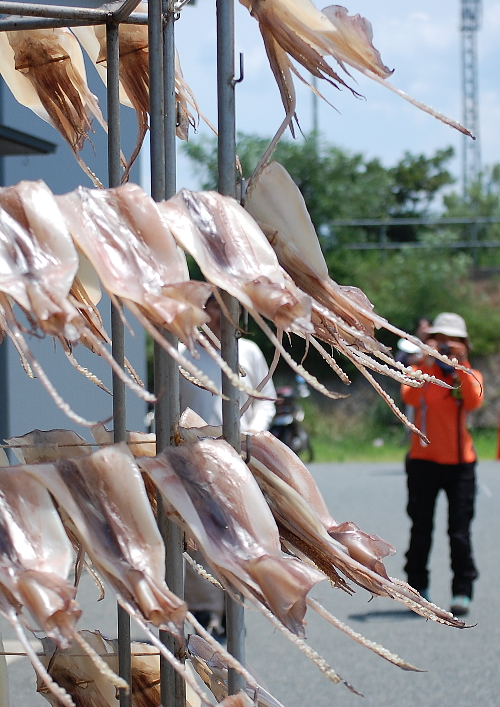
[421, 41]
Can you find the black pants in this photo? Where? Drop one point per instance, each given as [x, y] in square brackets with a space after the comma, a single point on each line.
[425, 480]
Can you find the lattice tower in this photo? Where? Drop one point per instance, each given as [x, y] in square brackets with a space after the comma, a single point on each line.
[471, 156]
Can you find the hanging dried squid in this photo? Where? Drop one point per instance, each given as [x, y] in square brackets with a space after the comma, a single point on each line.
[129, 243]
[211, 492]
[36, 560]
[342, 315]
[39, 264]
[45, 71]
[134, 76]
[296, 29]
[88, 686]
[307, 526]
[308, 531]
[233, 253]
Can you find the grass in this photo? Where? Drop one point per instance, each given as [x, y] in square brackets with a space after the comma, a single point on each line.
[334, 440]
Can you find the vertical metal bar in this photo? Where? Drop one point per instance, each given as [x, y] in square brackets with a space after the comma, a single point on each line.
[170, 100]
[166, 375]
[229, 344]
[174, 536]
[4, 361]
[156, 99]
[117, 329]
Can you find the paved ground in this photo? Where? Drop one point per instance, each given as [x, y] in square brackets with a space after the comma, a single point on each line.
[462, 666]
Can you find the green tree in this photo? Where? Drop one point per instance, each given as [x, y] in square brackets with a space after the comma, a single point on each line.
[417, 180]
[482, 199]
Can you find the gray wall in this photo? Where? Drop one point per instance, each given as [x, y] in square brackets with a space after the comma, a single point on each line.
[25, 404]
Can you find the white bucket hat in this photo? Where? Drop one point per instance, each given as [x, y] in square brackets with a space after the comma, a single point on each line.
[449, 324]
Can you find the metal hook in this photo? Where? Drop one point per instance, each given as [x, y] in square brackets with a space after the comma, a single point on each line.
[249, 448]
[242, 73]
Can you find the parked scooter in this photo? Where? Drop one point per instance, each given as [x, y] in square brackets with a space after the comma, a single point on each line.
[287, 422]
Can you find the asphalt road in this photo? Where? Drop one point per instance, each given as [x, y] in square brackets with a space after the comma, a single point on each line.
[461, 665]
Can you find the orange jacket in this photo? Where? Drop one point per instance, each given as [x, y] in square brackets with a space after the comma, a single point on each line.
[441, 415]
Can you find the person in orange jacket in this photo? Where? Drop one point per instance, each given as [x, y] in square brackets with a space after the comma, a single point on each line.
[447, 462]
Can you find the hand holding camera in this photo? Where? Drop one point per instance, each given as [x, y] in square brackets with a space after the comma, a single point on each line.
[448, 347]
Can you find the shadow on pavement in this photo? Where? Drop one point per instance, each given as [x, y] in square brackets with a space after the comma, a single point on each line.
[393, 615]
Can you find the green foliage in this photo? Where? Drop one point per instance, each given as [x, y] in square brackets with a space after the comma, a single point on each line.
[417, 179]
[483, 198]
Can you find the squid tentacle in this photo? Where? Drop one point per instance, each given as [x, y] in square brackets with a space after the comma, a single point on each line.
[235, 379]
[375, 647]
[16, 336]
[58, 691]
[303, 646]
[314, 382]
[99, 663]
[176, 355]
[133, 385]
[85, 371]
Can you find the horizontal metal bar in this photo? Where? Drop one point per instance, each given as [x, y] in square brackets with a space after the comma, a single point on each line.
[412, 221]
[13, 24]
[71, 15]
[417, 244]
[40, 10]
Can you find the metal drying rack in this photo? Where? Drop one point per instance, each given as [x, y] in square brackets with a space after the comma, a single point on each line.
[160, 20]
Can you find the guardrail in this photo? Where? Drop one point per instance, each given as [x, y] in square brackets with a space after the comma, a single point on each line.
[384, 223]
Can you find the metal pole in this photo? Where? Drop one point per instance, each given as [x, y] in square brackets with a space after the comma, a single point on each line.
[227, 185]
[4, 361]
[117, 329]
[166, 374]
[49, 16]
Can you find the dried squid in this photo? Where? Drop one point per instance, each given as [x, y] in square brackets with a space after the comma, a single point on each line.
[212, 668]
[209, 487]
[104, 505]
[128, 241]
[308, 531]
[342, 315]
[48, 445]
[45, 71]
[134, 76]
[233, 254]
[39, 263]
[307, 526]
[88, 686]
[297, 29]
[36, 559]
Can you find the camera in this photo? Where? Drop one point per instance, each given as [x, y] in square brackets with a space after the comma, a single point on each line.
[444, 349]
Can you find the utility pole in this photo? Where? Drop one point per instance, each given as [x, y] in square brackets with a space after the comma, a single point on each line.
[471, 155]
